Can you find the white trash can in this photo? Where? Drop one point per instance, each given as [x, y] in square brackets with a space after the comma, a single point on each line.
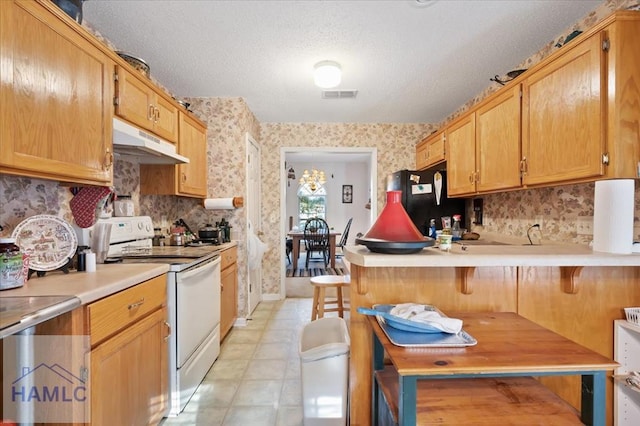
[324, 366]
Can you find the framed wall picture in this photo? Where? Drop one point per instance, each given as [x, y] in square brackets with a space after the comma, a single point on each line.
[347, 193]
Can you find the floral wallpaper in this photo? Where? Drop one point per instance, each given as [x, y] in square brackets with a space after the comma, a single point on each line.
[229, 119]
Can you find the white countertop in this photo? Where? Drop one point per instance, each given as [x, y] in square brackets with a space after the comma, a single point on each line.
[88, 286]
[492, 255]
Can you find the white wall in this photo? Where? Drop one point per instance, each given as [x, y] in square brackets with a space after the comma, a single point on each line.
[338, 213]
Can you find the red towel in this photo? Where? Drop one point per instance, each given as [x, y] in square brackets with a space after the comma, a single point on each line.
[85, 202]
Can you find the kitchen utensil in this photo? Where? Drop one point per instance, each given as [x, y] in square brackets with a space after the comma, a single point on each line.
[137, 63]
[394, 321]
[510, 75]
[437, 186]
[395, 247]
[48, 240]
[208, 232]
[100, 241]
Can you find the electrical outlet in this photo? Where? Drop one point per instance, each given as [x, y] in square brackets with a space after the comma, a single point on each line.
[584, 225]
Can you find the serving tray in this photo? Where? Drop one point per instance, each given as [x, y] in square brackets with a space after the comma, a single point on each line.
[424, 340]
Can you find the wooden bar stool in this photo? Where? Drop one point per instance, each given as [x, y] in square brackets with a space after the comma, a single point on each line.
[322, 282]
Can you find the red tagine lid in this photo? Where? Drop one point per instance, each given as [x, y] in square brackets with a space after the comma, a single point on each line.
[393, 223]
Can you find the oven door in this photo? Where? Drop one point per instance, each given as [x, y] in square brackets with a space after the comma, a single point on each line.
[197, 306]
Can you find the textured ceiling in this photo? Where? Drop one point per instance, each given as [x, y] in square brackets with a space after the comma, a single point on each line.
[409, 62]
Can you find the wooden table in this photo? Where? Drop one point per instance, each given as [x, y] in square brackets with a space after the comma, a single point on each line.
[299, 235]
[509, 346]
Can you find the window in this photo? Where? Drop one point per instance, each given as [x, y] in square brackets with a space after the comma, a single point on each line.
[311, 205]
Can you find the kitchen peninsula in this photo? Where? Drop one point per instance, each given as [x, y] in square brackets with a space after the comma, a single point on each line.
[568, 289]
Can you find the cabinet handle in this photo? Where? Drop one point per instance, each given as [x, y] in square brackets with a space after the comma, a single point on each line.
[166, 338]
[184, 177]
[136, 304]
[523, 166]
[156, 115]
[477, 176]
[108, 159]
[150, 112]
[471, 177]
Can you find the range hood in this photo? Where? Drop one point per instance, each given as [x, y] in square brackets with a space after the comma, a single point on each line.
[148, 148]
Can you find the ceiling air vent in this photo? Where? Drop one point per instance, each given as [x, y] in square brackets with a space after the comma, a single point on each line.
[339, 94]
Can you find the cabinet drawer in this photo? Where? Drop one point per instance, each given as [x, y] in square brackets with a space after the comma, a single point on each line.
[229, 257]
[113, 313]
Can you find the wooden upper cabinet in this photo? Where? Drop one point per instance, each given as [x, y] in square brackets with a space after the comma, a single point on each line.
[461, 156]
[430, 151]
[189, 180]
[192, 177]
[564, 110]
[498, 142]
[138, 102]
[56, 93]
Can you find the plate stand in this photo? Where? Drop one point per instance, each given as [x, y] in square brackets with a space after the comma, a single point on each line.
[64, 268]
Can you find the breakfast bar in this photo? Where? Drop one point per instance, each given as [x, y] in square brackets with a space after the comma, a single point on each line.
[565, 290]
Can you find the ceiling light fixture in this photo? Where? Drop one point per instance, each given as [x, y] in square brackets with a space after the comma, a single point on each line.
[327, 74]
[312, 182]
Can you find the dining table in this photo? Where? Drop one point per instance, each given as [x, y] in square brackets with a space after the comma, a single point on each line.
[298, 236]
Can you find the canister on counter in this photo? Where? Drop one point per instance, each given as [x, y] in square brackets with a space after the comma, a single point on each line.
[123, 206]
[11, 264]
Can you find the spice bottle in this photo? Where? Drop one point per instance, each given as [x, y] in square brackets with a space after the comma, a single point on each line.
[11, 266]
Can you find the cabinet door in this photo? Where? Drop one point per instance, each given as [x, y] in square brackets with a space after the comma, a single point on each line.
[461, 166]
[138, 103]
[129, 374]
[430, 151]
[229, 298]
[422, 155]
[165, 123]
[135, 100]
[55, 92]
[564, 115]
[192, 177]
[498, 142]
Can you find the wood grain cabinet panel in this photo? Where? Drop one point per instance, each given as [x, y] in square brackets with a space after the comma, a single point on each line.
[129, 367]
[581, 109]
[430, 151]
[56, 93]
[498, 142]
[189, 180]
[140, 103]
[461, 152]
[129, 375]
[564, 117]
[229, 290]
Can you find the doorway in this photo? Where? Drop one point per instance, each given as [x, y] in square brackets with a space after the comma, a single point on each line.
[362, 161]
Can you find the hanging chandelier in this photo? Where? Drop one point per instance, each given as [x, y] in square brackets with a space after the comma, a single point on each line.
[313, 181]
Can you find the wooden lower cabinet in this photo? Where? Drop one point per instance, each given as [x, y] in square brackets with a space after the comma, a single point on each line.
[229, 290]
[129, 367]
[129, 375]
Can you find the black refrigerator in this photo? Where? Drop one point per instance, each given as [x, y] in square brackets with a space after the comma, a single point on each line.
[424, 197]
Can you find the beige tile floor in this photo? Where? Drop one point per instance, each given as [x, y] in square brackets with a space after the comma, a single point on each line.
[256, 379]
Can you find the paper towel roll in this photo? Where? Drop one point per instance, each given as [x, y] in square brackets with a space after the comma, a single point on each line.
[613, 209]
[223, 203]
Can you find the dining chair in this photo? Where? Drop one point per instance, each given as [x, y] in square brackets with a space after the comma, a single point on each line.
[316, 239]
[288, 248]
[345, 236]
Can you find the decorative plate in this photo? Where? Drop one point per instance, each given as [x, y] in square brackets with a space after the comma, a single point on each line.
[48, 240]
[395, 247]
